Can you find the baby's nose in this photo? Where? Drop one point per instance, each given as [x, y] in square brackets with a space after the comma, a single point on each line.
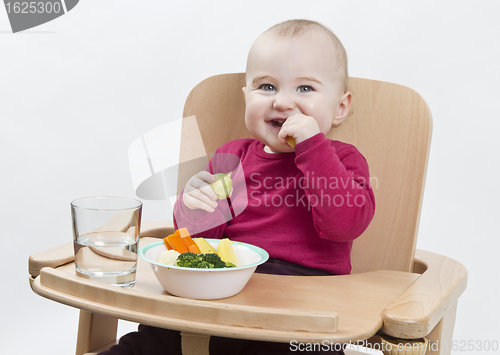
[283, 102]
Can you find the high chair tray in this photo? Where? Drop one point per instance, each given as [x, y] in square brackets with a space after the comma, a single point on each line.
[270, 307]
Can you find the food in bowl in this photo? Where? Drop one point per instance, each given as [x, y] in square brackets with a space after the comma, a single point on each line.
[204, 246]
[205, 283]
[197, 253]
[181, 241]
[202, 261]
[226, 252]
[168, 257]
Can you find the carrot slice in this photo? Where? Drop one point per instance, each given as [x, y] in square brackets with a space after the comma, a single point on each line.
[175, 241]
[194, 249]
[183, 232]
[188, 241]
[165, 240]
[169, 243]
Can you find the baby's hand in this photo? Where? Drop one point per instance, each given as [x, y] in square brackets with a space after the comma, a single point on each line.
[300, 127]
[198, 194]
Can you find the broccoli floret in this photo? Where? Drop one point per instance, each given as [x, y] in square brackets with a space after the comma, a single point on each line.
[201, 261]
[189, 260]
[215, 260]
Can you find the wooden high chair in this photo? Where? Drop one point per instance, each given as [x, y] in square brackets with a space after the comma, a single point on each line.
[393, 290]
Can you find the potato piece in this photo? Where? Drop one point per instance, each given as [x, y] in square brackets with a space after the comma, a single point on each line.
[204, 246]
[226, 252]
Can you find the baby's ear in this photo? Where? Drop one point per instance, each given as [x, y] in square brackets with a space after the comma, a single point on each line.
[244, 89]
[343, 109]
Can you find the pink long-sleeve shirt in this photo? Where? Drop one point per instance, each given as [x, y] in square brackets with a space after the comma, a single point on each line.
[304, 207]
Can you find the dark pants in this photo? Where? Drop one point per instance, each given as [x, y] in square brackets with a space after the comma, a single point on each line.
[157, 341]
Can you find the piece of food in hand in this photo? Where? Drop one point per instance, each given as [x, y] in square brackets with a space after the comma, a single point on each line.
[204, 246]
[201, 261]
[222, 185]
[168, 257]
[226, 252]
[291, 141]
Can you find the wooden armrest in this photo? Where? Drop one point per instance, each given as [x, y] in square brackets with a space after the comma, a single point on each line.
[54, 257]
[417, 310]
[157, 229]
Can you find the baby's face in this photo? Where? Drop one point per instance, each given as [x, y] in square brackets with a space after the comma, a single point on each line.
[286, 77]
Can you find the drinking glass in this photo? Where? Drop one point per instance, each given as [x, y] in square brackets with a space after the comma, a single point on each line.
[106, 233]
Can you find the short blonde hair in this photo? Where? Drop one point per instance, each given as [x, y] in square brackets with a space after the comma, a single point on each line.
[297, 28]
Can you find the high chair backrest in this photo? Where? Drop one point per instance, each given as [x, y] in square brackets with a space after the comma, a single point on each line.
[391, 126]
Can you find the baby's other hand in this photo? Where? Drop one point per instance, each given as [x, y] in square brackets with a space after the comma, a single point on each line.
[300, 127]
[198, 194]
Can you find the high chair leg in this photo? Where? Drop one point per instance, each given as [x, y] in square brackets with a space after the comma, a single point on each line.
[94, 331]
[441, 337]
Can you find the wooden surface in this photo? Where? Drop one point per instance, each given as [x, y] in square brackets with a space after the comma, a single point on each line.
[53, 257]
[413, 313]
[95, 331]
[391, 126]
[417, 311]
[157, 229]
[443, 333]
[261, 311]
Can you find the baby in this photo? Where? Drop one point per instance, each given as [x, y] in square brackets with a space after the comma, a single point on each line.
[304, 202]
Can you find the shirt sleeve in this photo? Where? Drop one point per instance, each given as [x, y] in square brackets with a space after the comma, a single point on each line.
[337, 187]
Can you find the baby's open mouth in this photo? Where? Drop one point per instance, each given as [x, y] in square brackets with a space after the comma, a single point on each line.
[277, 123]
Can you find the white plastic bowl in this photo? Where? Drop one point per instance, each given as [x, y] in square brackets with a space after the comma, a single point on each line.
[205, 284]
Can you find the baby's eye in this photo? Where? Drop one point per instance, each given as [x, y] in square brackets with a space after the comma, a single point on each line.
[267, 87]
[305, 88]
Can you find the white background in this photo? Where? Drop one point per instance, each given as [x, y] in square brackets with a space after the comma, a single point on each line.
[75, 92]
